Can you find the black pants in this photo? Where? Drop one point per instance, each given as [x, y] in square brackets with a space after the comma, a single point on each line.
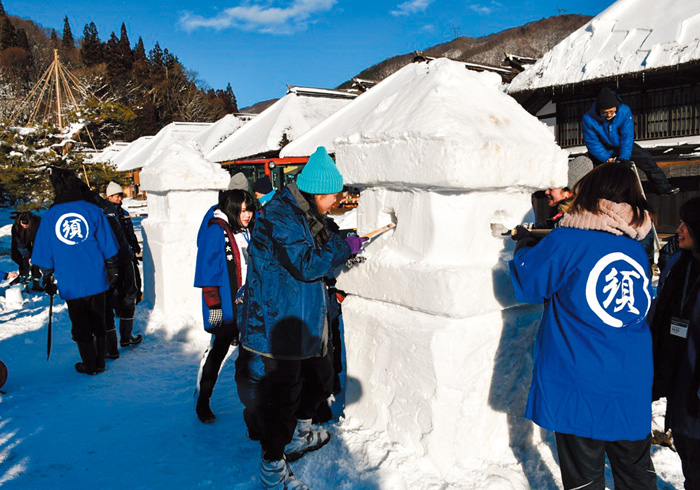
[582, 463]
[123, 299]
[87, 317]
[689, 452]
[275, 393]
[645, 162]
[214, 358]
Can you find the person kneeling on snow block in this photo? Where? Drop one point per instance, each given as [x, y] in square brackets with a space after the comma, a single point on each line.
[284, 369]
[222, 256]
[76, 243]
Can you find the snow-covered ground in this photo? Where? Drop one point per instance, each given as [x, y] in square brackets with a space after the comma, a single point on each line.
[134, 426]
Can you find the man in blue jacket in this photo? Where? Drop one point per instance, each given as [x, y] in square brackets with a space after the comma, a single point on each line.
[608, 131]
[76, 243]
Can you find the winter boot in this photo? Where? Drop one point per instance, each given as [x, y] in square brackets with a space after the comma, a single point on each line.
[125, 327]
[36, 285]
[111, 345]
[276, 475]
[88, 356]
[204, 413]
[100, 349]
[307, 437]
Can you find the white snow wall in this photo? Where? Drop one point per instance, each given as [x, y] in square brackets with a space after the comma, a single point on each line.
[438, 356]
[181, 187]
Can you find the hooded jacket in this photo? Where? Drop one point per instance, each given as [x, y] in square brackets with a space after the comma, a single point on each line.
[609, 138]
[285, 314]
[592, 371]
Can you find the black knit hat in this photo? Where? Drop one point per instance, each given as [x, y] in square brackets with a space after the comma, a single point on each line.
[690, 215]
[263, 185]
[607, 99]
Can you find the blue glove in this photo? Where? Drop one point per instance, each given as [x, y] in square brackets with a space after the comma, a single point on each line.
[355, 243]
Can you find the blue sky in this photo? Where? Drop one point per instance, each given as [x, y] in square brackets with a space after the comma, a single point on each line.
[260, 45]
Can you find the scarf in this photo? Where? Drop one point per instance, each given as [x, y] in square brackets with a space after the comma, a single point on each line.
[612, 217]
[315, 222]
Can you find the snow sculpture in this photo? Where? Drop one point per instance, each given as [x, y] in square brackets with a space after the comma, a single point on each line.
[436, 356]
[181, 187]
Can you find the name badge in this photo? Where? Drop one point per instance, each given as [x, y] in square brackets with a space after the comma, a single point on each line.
[679, 327]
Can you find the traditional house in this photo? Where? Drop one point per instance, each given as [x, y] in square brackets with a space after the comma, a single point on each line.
[649, 53]
[255, 148]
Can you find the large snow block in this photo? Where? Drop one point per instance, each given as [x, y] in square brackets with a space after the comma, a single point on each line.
[448, 127]
[452, 390]
[441, 257]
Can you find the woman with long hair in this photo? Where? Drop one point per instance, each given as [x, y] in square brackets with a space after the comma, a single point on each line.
[284, 370]
[222, 257]
[675, 324]
[592, 371]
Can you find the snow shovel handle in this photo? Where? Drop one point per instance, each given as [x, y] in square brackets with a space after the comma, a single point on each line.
[379, 231]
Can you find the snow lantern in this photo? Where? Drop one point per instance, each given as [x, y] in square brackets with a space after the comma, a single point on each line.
[182, 185]
[438, 352]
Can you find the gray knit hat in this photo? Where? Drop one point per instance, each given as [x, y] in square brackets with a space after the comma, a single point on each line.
[578, 167]
[238, 181]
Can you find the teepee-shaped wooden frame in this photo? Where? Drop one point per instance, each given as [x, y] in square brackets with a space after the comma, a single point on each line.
[51, 96]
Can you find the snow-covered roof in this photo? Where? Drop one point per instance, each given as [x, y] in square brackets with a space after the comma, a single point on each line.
[132, 148]
[291, 116]
[108, 153]
[629, 36]
[215, 134]
[172, 133]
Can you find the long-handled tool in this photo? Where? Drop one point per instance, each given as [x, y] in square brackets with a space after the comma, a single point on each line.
[379, 231]
[499, 230]
[657, 245]
[48, 341]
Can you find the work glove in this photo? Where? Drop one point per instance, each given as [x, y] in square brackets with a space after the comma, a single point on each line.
[355, 243]
[519, 233]
[216, 316]
[49, 286]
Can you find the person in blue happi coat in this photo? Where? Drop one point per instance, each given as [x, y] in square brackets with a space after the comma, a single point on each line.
[222, 258]
[592, 372]
[76, 245]
[284, 370]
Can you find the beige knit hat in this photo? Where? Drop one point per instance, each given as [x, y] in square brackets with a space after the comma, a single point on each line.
[113, 188]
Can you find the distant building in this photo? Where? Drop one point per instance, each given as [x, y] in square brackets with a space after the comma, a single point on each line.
[649, 53]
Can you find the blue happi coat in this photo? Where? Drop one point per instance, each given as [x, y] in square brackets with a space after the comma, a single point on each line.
[74, 240]
[285, 314]
[607, 139]
[211, 268]
[592, 373]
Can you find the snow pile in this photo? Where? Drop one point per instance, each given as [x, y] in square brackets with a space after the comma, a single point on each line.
[629, 36]
[182, 185]
[435, 361]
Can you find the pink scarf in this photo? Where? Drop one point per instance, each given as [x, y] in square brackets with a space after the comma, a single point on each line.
[613, 218]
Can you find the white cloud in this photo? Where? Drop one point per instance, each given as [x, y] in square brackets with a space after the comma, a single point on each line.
[411, 7]
[428, 28]
[483, 9]
[261, 16]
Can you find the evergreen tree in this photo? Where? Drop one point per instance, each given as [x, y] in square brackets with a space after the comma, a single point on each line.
[2, 10]
[155, 56]
[127, 56]
[116, 68]
[230, 102]
[91, 47]
[54, 38]
[139, 51]
[8, 37]
[67, 40]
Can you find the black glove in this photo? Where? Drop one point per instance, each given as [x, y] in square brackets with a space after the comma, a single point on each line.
[519, 233]
[216, 316]
[113, 275]
[49, 286]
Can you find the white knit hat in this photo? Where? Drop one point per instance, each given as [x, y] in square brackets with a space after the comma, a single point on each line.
[113, 188]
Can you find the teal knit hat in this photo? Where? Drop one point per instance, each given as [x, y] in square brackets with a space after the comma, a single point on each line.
[320, 175]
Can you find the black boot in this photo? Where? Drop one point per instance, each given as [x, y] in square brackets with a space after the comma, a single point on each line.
[125, 327]
[204, 413]
[112, 347]
[100, 358]
[88, 355]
